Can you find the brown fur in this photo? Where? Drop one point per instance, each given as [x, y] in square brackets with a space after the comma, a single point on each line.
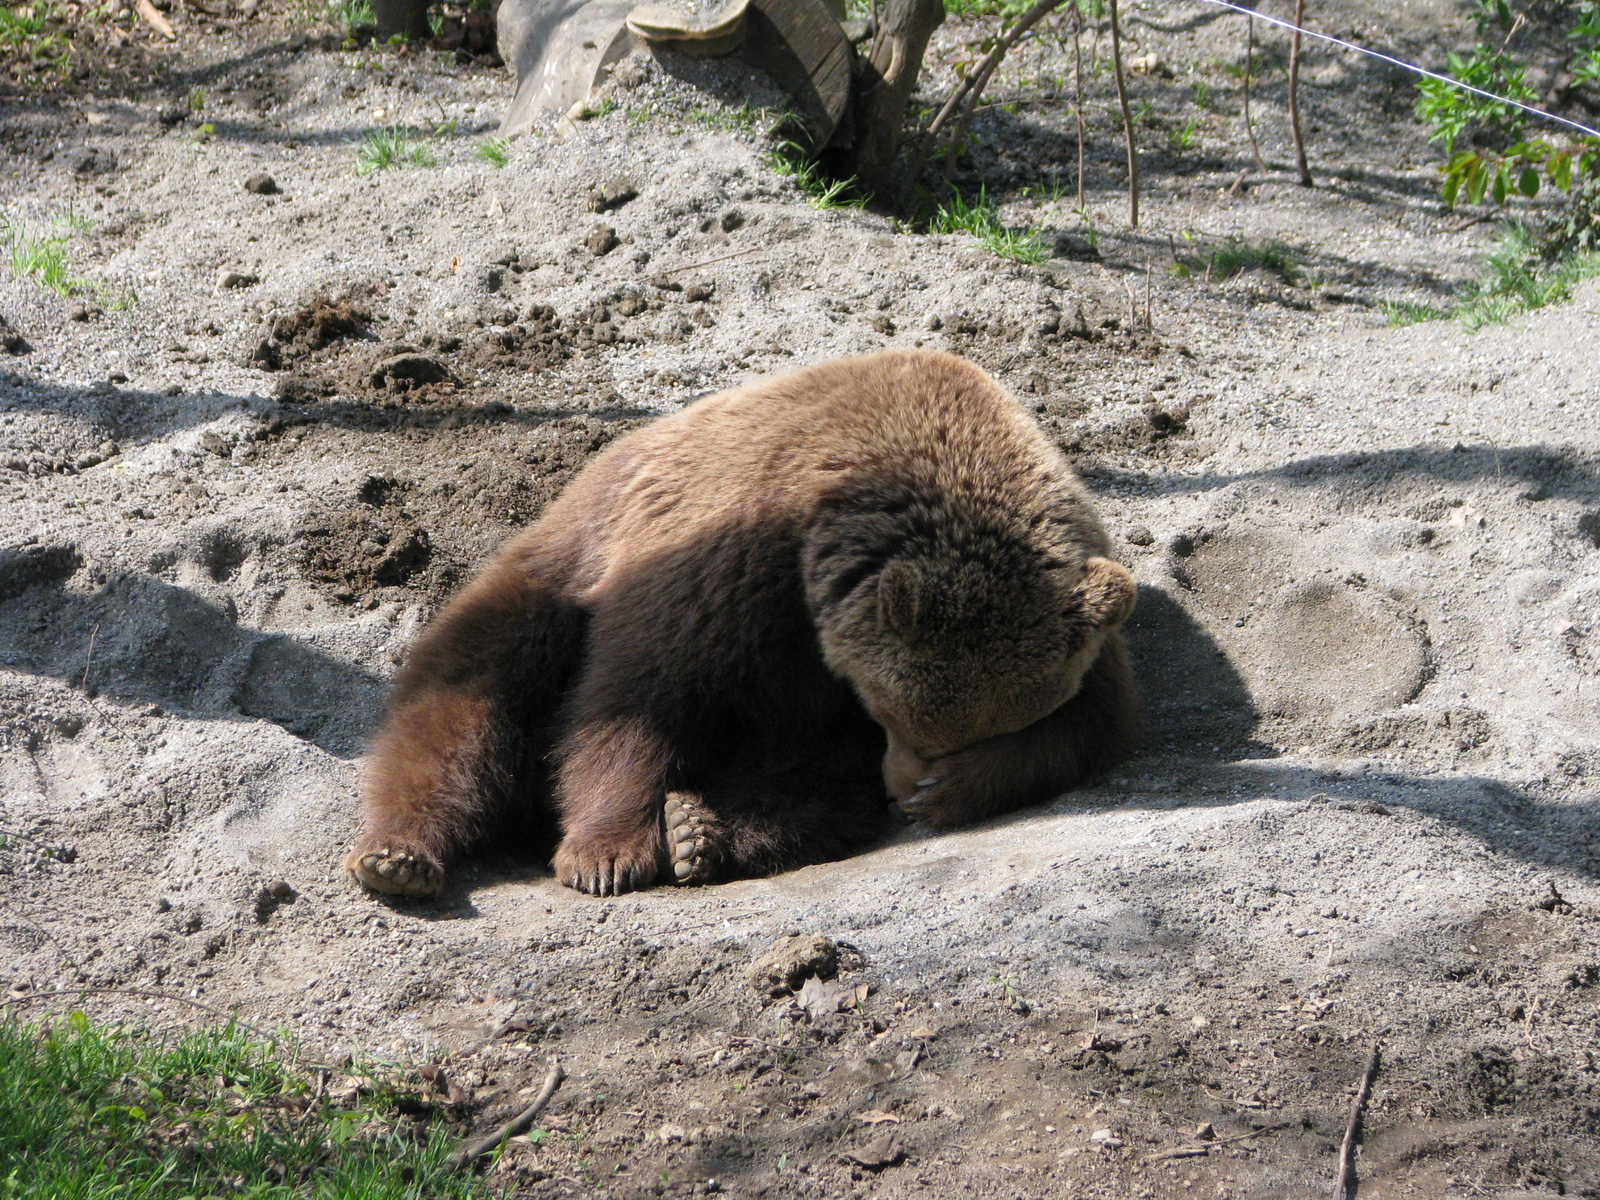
[780, 602]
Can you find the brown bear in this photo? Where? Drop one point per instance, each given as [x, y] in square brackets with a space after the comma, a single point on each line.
[744, 627]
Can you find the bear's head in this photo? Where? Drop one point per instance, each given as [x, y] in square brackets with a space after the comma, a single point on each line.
[945, 651]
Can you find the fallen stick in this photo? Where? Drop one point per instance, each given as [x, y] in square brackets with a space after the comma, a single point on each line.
[1200, 1149]
[471, 1152]
[154, 19]
[707, 262]
[1341, 1187]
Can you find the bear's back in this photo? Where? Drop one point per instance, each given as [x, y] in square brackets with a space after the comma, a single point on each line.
[764, 456]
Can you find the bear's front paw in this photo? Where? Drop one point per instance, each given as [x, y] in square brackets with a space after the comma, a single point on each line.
[387, 865]
[950, 794]
[607, 866]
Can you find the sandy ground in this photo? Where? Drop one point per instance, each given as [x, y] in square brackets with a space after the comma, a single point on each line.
[1370, 579]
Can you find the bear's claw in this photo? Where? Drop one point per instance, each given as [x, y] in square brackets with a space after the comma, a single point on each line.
[687, 839]
[397, 871]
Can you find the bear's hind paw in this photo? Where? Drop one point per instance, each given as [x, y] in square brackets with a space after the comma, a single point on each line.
[394, 870]
[688, 839]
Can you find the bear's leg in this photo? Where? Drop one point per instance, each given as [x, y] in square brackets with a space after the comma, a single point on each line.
[467, 722]
[611, 789]
[1088, 734]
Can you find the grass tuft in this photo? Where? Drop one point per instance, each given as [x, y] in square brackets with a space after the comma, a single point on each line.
[1236, 257]
[1517, 279]
[42, 258]
[496, 151]
[391, 146]
[981, 219]
[1405, 312]
[100, 1113]
[821, 192]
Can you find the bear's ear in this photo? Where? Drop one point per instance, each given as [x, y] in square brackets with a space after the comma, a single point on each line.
[1107, 592]
[899, 598]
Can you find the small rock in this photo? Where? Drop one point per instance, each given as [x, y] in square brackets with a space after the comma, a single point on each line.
[214, 443]
[1140, 535]
[1204, 1131]
[261, 184]
[667, 283]
[697, 292]
[934, 322]
[235, 279]
[613, 195]
[91, 160]
[412, 367]
[1150, 64]
[81, 312]
[602, 240]
[793, 960]
[882, 1151]
[1106, 1138]
[882, 324]
[672, 1133]
[117, 377]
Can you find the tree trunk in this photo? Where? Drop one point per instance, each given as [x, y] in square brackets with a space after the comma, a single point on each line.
[888, 75]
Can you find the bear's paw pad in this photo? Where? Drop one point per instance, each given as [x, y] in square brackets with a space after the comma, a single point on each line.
[688, 839]
[394, 869]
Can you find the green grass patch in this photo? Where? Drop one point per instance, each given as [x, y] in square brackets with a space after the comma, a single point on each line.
[352, 13]
[982, 220]
[496, 151]
[747, 118]
[1404, 312]
[34, 34]
[99, 1113]
[1236, 257]
[985, 8]
[1517, 279]
[1185, 137]
[821, 192]
[391, 146]
[42, 258]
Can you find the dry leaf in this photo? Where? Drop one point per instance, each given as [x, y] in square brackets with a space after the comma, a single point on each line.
[876, 1116]
[821, 999]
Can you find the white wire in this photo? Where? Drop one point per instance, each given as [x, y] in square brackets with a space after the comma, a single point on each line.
[1467, 87]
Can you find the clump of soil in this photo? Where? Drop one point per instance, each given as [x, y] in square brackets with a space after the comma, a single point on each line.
[376, 544]
[315, 325]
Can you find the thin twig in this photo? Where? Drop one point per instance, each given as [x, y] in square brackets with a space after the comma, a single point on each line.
[707, 262]
[1249, 66]
[1527, 1024]
[979, 79]
[88, 659]
[471, 1152]
[1202, 1148]
[316, 1095]
[1294, 93]
[1077, 89]
[1341, 1187]
[979, 75]
[1127, 118]
[147, 995]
